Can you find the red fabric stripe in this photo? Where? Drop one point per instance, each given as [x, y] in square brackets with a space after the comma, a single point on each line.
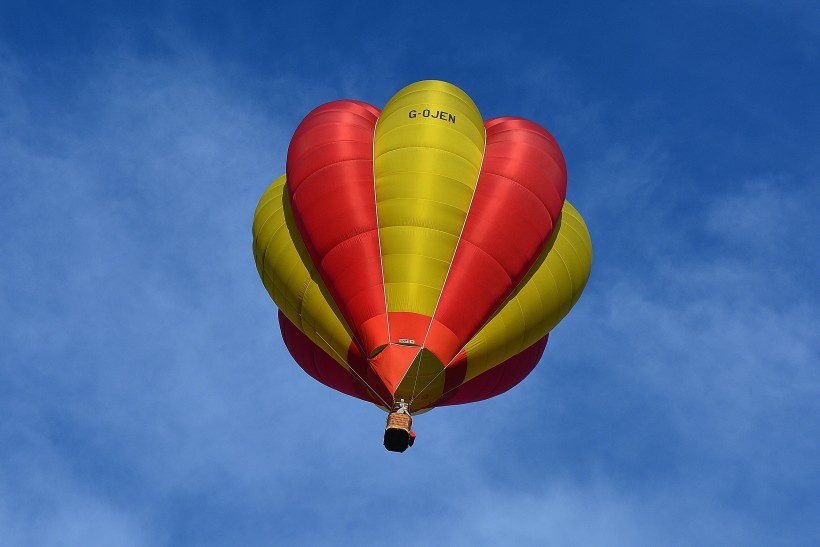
[318, 364]
[330, 182]
[517, 202]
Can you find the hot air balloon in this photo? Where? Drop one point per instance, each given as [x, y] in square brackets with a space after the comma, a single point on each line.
[419, 255]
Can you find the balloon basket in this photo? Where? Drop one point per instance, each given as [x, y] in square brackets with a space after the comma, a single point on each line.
[397, 432]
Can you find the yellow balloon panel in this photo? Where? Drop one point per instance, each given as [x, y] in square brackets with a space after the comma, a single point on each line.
[428, 149]
[424, 381]
[422, 212]
[449, 191]
[432, 101]
[290, 278]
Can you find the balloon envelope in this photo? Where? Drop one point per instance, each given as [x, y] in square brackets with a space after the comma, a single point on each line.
[419, 252]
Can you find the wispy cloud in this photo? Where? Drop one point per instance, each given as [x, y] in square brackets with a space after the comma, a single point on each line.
[141, 348]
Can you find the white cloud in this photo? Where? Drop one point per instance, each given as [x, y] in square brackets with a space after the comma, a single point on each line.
[764, 215]
[42, 504]
[568, 514]
[142, 344]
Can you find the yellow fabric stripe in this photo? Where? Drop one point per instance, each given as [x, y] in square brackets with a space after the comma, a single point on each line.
[428, 149]
[550, 290]
[424, 381]
[290, 277]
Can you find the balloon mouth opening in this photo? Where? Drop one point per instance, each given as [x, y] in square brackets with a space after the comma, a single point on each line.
[402, 342]
[377, 351]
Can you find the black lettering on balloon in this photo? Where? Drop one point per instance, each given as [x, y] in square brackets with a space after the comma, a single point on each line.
[434, 114]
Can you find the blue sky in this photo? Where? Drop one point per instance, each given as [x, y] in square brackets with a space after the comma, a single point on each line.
[147, 399]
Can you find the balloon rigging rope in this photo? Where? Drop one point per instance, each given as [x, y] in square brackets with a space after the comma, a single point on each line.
[446, 276]
[350, 368]
[378, 228]
[444, 368]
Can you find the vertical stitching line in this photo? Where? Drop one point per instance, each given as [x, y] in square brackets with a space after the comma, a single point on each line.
[378, 228]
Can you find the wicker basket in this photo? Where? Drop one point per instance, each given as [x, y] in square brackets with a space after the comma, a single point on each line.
[397, 432]
[396, 420]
